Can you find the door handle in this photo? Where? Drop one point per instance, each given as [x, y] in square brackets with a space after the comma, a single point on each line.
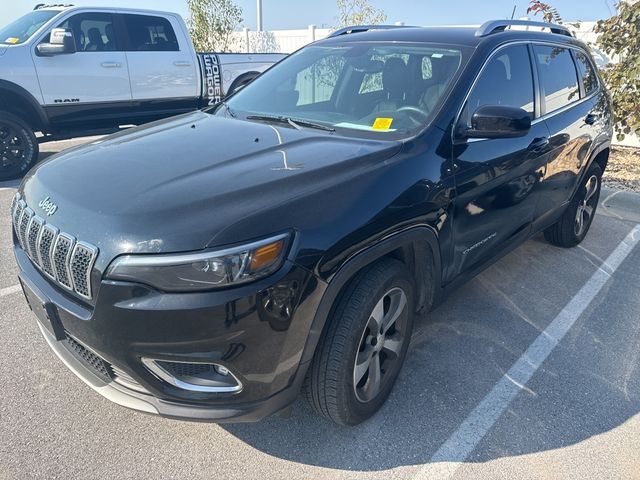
[591, 118]
[182, 64]
[111, 64]
[538, 144]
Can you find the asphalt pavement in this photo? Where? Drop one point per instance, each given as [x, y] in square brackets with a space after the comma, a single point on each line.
[531, 370]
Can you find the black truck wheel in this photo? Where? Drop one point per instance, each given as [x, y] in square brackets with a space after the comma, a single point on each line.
[18, 147]
[363, 348]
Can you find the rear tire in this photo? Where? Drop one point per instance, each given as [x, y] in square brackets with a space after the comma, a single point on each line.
[19, 147]
[575, 222]
[364, 345]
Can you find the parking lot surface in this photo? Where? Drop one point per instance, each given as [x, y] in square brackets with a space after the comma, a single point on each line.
[531, 370]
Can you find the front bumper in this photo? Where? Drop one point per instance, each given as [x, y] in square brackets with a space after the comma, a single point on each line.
[230, 328]
[149, 404]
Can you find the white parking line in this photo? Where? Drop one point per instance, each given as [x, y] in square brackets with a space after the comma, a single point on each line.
[449, 457]
[9, 290]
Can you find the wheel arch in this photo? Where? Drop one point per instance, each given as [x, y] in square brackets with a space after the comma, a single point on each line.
[21, 103]
[601, 155]
[417, 247]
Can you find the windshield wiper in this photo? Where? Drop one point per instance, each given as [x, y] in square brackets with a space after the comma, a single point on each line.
[294, 122]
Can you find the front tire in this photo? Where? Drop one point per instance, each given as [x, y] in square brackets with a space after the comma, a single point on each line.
[362, 350]
[18, 147]
[575, 222]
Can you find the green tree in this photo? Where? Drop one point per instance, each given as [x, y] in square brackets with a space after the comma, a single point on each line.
[212, 23]
[359, 12]
[619, 37]
[350, 13]
[549, 13]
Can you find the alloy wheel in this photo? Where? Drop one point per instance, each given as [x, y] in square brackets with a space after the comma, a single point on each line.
[380, 344]
[587, 206]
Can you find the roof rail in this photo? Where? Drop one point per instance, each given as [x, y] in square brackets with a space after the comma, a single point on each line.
[362, 28]
[493, 26]
[42, 5]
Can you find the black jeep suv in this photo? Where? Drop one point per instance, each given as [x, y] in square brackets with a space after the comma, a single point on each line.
[211, 266]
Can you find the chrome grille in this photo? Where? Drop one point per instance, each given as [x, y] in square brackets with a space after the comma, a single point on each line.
[33, 231]
[25, 218]
[57, 254]
[80, 267]
[16, 212]
[14, 204]
[61, 255]
[45, 245]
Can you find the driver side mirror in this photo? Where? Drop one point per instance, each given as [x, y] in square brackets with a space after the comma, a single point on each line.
[498, 121]
[61, 42]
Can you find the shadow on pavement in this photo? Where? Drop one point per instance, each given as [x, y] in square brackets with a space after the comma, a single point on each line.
[466, 345]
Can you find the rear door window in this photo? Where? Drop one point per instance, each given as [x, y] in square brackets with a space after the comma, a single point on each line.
[373, 82]
[587, 73]
[558, 77]
[149, 33]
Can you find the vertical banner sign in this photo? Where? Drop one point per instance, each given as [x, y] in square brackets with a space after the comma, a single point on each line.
[212, 79]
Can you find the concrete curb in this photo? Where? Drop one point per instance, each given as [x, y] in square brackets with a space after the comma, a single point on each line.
[621, 204]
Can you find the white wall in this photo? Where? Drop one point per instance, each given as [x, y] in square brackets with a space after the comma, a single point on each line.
[278, 41]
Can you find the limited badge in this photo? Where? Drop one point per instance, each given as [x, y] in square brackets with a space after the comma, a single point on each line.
[382, 123]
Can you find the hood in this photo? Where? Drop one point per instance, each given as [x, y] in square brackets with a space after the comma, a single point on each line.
[179, 184]
[3, 49]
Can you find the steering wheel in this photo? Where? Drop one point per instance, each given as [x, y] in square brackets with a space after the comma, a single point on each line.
[414, 112]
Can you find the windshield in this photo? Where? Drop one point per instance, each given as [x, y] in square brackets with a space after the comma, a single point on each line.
[22, 29]
[379, 90]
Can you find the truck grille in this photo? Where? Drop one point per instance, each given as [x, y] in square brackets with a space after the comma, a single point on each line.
[58, 255]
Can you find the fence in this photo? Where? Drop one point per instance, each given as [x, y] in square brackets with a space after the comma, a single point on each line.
[277, 41]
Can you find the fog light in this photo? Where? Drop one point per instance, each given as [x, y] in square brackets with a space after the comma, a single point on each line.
[194, 376]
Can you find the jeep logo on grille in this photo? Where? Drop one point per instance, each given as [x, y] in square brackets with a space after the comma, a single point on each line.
[48, 206]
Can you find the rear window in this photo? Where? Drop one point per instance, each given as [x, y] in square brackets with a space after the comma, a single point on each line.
[587, 74]
[427, 70]
[150, 34]
[558, 76]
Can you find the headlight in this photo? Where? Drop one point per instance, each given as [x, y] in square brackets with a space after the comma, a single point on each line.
[203, 270]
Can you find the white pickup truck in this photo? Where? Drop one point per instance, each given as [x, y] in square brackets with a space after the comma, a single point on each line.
[68, 70]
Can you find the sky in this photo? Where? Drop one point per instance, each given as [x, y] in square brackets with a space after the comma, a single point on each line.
[289, 14]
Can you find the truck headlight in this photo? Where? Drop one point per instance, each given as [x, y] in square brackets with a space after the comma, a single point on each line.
[203, 270]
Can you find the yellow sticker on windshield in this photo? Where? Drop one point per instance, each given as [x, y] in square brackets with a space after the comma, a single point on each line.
[12, 40]
[382, 123]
